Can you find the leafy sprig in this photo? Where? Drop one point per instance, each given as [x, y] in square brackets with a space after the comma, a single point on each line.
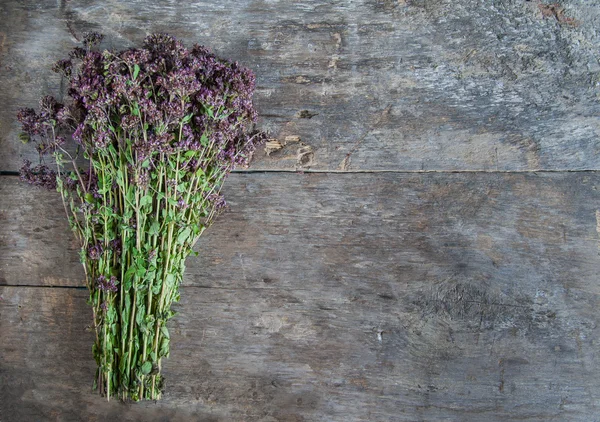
[159, 129]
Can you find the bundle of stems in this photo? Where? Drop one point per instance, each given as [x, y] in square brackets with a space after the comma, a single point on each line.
[157, 129]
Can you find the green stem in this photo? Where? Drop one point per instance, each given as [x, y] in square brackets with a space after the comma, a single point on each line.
[104, 355]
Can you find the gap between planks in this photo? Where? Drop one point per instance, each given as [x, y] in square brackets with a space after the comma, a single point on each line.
[300, 171]
[41, 286]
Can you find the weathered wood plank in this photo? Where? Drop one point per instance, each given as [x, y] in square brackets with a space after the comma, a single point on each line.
[373, 232]
[420, 84]
[274, 355]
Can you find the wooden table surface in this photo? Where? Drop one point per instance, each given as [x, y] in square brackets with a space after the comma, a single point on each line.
[423, 246]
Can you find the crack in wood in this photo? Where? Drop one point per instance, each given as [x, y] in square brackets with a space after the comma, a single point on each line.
[346, 161]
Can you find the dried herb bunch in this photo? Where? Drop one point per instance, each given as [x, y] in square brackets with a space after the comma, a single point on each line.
[159, 128]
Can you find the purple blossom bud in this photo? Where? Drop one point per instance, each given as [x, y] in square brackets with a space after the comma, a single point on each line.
[63, 67]
[30, 121]
[39, 175]
[79, 134]
[132, 57]
[116, 245]
[182, 204]
[91, 39]
[63, 115]
[77, 53]
[142, 178]
[107, 285]
[101, 139]
[217, 200]
[95, 251]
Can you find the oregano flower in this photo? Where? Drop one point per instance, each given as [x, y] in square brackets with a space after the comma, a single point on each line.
[139, 153]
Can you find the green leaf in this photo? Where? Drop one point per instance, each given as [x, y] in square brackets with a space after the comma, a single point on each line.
[141, 314]
[204, 140]
[136, 71]
[164, 348]
[154, 228]
[127, 307]
[111, 315]
[165, 331]
[146, 163]
[128, 277]
[146, 368]
[24, 138]
[183, 236]
[102, 188]
[59, 184]
[89, 198]
[120, 180]
[123, 362]
[145, 200]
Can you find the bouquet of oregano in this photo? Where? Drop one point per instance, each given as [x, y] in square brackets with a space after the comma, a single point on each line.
[139, 154]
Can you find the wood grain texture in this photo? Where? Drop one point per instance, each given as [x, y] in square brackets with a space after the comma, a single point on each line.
[369, 84]
[282, 229]
[256, 355]
[384, 297]
[331, 296]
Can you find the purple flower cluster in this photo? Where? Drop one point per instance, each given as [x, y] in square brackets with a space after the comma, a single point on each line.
[150, 91]
[95, 251]
[52, 115]
[164, 98]
[107, 284]
[217, 200]
[116, 245]
[64, 67]
[40, 175]
[90, 39]
[30, 121]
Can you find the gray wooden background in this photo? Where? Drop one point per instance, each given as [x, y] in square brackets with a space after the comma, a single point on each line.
[420, 241]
